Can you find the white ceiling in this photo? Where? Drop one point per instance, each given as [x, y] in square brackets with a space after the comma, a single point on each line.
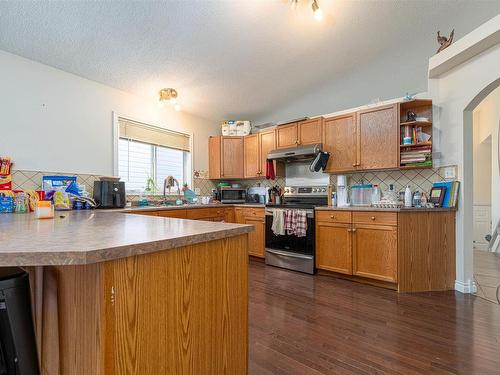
[227, 59]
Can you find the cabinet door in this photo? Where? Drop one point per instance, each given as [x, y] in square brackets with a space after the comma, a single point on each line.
[251, 158]
[375, 251]
[256, 240]
[334, 247]
[238, 215]
[310, 131]
[267, 141]
[232, 157]
[287, 136]
[229, 215]
[378, 134]
[214, 157]
[340, 140]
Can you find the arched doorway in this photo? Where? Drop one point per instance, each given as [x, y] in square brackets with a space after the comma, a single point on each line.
[470, 255]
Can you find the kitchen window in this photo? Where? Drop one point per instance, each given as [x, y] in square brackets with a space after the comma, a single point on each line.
[148, 154]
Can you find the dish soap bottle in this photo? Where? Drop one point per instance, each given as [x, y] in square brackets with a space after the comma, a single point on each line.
[408, 196]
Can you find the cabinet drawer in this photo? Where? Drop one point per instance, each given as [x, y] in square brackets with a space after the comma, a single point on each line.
[198, 213]
[375, 217]
[179, 214]
[333, 216]
[217, 211]
[254, 212]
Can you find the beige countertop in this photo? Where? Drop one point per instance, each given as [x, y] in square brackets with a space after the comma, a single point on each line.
[365, 208]
[83, 237]
[183, 207]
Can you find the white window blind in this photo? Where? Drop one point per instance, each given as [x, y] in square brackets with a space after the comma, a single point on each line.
[159, 157]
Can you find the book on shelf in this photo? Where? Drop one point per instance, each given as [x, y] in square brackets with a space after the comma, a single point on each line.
[426, 163]
[451, 194]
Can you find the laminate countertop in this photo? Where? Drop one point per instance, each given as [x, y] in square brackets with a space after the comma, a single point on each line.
[84, 237]
[369, 208]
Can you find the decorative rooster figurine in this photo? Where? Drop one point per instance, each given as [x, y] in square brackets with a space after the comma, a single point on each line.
[444, 41]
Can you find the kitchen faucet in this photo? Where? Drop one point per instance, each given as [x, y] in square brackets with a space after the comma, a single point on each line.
[169, 182]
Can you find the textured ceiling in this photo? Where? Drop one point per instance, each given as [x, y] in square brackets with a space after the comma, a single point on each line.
[227, 59]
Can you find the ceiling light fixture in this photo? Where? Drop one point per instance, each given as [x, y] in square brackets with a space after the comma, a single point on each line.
[318, 13]
[170, 96]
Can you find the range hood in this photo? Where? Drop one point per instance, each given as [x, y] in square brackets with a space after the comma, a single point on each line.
[300, 153]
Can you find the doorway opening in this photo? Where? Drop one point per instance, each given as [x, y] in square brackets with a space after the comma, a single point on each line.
[486, 195]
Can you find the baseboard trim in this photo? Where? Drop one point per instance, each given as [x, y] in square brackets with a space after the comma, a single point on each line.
[466, 288]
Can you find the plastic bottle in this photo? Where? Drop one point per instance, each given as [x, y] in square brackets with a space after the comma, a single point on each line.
[408, 196]
[376, 194]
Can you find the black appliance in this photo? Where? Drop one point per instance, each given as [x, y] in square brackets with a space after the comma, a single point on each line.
[228, 194]
[109, 194]
[18, 352]
[290, 251]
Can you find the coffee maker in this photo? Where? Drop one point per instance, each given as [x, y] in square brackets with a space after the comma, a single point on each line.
[342, 191]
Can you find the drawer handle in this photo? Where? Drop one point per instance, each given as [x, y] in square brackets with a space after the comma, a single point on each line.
[373, 218]
[332, 217]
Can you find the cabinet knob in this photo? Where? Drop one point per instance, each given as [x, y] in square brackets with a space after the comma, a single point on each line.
[332, 217]
[354, 229]
[354, 165]
[373, 218]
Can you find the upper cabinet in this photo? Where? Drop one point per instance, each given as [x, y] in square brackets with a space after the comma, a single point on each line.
[378, 134]
[225, 157]
[299, 133]
[267, 142]
[363, 140]
[287, 136]
[310, 131]
[340, 140]
[252, 161]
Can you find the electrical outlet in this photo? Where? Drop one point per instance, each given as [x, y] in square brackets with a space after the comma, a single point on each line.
[450, 173]
[197, 191]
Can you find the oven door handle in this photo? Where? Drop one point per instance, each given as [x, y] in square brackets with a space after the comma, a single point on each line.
[288, 254]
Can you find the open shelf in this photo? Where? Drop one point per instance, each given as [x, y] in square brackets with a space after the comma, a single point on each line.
[428, 143]
[416, 123]
[415, 166]
[420, 108]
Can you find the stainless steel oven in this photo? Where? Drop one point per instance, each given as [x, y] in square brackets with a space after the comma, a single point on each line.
[290, 251]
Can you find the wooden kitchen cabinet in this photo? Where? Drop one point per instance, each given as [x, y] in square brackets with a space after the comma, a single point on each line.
[333, 241]
[340, 140]
[252, 156]
[375, 250]
[310, 131]
[295, 134]
[378, 138]
[407, 250]
[225, 158]
[256, 239]
[287, 135]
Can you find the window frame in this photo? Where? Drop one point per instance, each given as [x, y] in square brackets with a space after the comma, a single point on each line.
[116, 138]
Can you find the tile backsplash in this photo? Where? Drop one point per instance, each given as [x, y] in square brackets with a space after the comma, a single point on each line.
[418, 179]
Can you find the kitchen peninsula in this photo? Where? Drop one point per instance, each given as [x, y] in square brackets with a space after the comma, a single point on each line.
[117, 293]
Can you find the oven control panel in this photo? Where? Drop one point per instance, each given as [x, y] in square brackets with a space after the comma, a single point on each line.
[306, 191]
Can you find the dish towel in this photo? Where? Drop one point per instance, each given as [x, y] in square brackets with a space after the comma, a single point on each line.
[270, 174]
[278, 226]
[296, 222]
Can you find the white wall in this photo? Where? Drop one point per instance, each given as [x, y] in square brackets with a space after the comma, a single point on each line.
[489, 122]
[55, 121]
[455, 94]
[482, 162]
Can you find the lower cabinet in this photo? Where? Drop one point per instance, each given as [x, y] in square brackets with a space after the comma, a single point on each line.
[256, 239]
[354, 248]
[375, 250]
[334, 250]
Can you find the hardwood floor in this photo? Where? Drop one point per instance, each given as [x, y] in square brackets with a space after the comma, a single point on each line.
[487, 274]
[302, 324]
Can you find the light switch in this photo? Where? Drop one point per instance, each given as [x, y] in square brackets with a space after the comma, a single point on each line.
[450, 173]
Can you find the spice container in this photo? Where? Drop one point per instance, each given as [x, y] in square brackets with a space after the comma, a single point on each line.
[44, 210]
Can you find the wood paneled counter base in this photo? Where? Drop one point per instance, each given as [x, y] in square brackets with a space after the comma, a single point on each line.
[181, 311]
[411, 251]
